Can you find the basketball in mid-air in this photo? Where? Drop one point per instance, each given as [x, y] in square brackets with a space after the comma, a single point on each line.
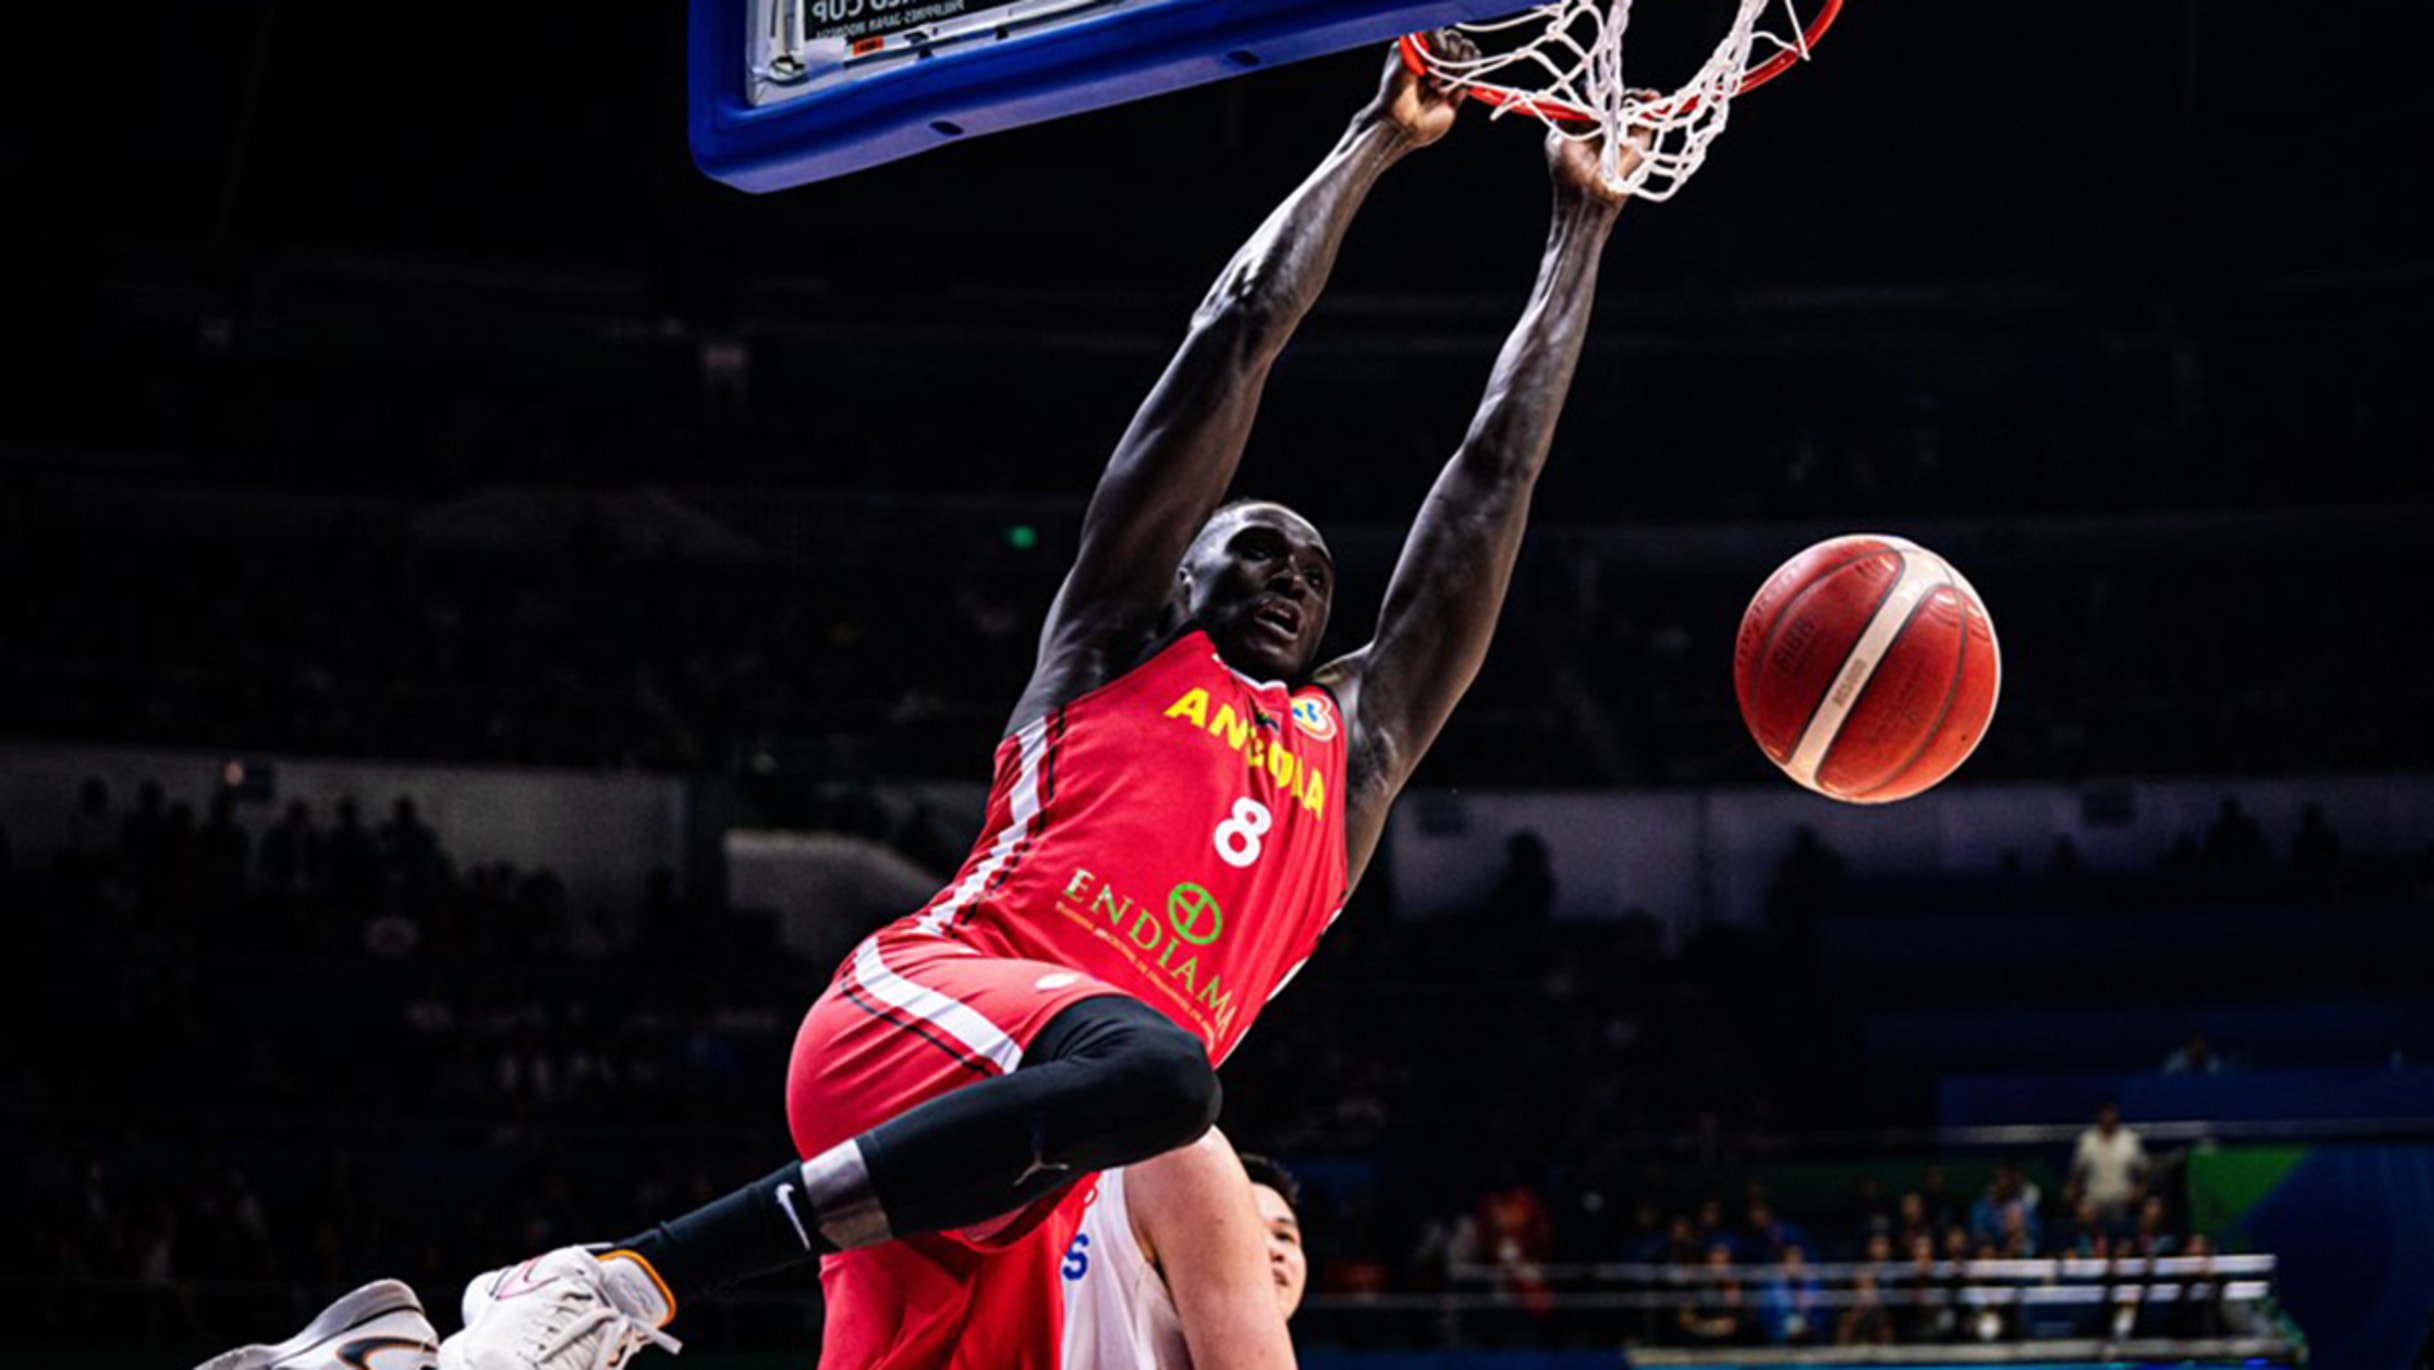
[1867, 668]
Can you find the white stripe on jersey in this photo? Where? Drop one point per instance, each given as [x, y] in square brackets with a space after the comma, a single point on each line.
[958, 1020]
[1024, 805]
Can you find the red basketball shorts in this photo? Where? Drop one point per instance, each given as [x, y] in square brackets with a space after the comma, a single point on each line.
[908, 1018]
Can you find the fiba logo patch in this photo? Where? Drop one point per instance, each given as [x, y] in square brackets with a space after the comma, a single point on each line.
[1315, 716]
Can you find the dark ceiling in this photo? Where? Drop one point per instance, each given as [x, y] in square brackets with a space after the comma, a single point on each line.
[434, 245]
[2126, 142]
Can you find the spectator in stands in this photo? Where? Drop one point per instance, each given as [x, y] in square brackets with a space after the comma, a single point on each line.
[2315, 849]
[2152, 1235]
[291, 853]
[1991, 1322]
[1682, 1244]
[2008, 1191]
[144, 838]
[2199, 1311]
[1931, 1293]
[2193, 1057]
[181, 856]
[1447, 1243]
[1935, 1188]
[1517, 1236]
[1791, 1303]
[1766, 1236]
[1592, 1226]
[2018, 1239]
[1710, 1225]
[1718, 1313]
[92, 834]
[1911, 1220]
[1878, 1252]
[1959, 1246]
[2109, 1166]
[1805, 880]
[1525, 892]
[1865, 1321]
[1867, 1214]
[351, 862]
[2062, 859]
[2236, 841]
[1645, 1243]
[2090, 1234]
[2116, 1313]
[410, 860]
[226, 848]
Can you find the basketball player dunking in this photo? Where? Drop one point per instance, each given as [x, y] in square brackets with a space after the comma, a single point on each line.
[1182, 803]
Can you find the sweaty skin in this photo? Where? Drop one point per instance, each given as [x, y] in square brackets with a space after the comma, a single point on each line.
[1258, 579]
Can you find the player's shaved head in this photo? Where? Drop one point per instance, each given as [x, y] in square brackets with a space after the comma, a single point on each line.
[1234, 513]
[1259, 580]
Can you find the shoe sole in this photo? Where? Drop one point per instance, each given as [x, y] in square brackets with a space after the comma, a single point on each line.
[373, 1301]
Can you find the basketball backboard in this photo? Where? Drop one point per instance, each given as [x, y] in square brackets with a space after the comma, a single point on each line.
[785, 92]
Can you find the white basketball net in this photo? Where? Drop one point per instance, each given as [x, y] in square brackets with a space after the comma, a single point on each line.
[1563, 64]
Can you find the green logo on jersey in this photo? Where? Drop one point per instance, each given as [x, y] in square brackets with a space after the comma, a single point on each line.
[1188, 908]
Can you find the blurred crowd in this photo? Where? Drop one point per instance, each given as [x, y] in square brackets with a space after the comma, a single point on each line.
[334, 1051]
[1904, 400]
[2107, 1256]
[418, 510]
[341, 1052]
[568, 635]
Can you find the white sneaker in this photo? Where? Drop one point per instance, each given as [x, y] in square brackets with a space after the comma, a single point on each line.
[378, 1327]
[568, 1310]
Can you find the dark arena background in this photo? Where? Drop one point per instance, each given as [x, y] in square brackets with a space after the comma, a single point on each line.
[491, 615]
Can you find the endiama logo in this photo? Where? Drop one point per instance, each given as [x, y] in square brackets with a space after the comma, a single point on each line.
[1170, 946]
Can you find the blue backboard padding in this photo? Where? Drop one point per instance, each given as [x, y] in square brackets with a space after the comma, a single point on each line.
[1084, 65]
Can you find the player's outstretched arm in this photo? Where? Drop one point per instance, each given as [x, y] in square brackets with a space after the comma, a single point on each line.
[1448, 587]
[1198, 1224]
[1174, 463]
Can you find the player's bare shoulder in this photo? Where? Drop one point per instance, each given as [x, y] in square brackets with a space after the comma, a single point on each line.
[1373, 765]
[1072, 665]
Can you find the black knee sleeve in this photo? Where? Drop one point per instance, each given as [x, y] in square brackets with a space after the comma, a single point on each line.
[1167, 1082]
[1107, 1082]
[1151, 1087]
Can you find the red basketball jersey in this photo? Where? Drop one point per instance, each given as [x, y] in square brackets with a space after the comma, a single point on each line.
[1177, 833]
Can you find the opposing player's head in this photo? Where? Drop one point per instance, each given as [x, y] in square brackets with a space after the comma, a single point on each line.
[1277, 1194]
[1260, 581]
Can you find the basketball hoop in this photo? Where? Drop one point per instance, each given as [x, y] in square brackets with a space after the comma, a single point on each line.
[1562, 64]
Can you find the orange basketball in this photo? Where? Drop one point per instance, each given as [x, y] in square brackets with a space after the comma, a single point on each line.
[1867, 668]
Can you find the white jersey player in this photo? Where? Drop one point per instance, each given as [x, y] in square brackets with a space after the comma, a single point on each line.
[1190, 1261]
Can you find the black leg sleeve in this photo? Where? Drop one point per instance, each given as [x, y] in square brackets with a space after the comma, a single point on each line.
[1108, 1082]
